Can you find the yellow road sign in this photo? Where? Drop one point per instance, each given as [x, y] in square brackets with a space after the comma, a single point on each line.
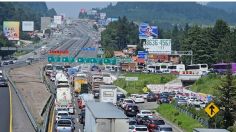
[145, 89]
[212, 109]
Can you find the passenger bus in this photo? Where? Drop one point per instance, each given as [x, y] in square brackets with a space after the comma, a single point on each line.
[176, 68]
[199, 69]
[222, 67]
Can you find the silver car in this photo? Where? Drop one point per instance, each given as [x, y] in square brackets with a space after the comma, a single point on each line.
[65, 125]
[163, 128]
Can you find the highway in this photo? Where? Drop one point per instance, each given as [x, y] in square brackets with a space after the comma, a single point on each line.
[5, 112]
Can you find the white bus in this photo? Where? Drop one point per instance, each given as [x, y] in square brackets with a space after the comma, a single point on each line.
[199, 68]
[176, 68]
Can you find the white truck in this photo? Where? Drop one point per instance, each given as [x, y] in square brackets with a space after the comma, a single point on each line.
[108, 93]
[61, 79]
[64, 99]
[105, 117]
[107, 79]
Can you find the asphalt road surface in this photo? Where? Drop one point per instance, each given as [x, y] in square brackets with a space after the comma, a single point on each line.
[5, 109]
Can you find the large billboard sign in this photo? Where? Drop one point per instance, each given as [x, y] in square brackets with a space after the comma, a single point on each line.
[146, 31]
[58, 19]
[11, 30]
[158, 46]
[45, 23]
[27, 26]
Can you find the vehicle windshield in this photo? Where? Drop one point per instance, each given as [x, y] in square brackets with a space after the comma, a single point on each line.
[166, 129]
[49, 68]
[159, 122]
[59, 68]
[64, 123]
[128, 101]
[141, 129]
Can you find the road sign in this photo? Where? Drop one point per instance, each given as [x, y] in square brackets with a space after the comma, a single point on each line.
[80, 60]
[65, 59]
[212, 109]
[131, 79]
[57, 59]
[145, 89]
[51, 59]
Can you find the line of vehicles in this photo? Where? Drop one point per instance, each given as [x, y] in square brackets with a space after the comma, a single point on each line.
[102, 106]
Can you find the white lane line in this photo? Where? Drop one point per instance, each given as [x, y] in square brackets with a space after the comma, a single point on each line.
[77, 119]
[79, 130]
[75, 111]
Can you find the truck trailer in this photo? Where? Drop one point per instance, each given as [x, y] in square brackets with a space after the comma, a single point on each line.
[108, 93]
[105, 117]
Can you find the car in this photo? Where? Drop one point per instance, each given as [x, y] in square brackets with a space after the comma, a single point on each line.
[3, 82]
[96, 93]
[139, 128]
[11, 62]
[48, 69]
[131, 110]
[181, 101]
[163, 128]
[164, 100]
[82, 116]
[120, 96]
[153, 123]
[151, 97]
[1, 74]
[29, 60]
[145, 113]
[5, 63]
[61, 113]
[145, 95]
[127, 101]
[138, 99]
[65, 125]
[119, 102]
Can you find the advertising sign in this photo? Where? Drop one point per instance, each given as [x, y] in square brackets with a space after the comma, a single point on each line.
[27, 26]
[146, 31]
[45, 23]
[11, 30]
[158, 46]
[142, 54]
[58, 19]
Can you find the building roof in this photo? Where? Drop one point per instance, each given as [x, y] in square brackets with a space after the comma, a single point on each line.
[119, 53]
[209, 130]
[105, 110]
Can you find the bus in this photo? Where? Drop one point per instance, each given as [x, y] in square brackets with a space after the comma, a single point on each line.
[153, 68]
[176, 68]
[222, 67]
[199, 69]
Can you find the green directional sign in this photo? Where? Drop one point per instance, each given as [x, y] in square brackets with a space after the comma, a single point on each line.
[106, 61]
[51, 59]
[86, 60]
[65, 59]
[81, 60]
[71, 59]
[93, 60]
[113, 61]
[57, 59]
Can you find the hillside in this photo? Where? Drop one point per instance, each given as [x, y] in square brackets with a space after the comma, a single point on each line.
[165, 14]
[227, 6]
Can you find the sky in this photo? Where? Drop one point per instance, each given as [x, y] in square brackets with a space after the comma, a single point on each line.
[71, 9]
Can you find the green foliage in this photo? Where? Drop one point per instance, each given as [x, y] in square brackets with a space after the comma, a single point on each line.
[185, 122]
[143, 80]
[119, 34]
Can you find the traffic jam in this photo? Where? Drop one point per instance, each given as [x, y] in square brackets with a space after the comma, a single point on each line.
[88, 86]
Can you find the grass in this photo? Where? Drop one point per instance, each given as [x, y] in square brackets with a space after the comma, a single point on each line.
[143, 80]
[183, 121]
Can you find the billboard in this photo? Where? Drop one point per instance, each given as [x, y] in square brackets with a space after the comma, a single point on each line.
[11, 30]
[45, 23]
[159, 46]
[146, 31]
[27, 26]
[58, 19]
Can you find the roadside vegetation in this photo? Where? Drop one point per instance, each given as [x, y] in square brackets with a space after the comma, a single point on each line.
[143, 80]
[182, 120]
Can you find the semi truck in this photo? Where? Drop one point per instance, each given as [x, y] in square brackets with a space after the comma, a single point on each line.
[80, 83]
[108, 93]
[105, 117]
[64, 99]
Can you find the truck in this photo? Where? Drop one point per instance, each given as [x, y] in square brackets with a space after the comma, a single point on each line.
[64, 99]
[108, 93]
[95, 79]
[105, 117]
[107, 79]
[80, 83]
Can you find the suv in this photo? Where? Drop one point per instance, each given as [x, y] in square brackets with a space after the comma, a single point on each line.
[3, 82]
[131, 110]
[65, 125]
[151, 97]
[127, 101]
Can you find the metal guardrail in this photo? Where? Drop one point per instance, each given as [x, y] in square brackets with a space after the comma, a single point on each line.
[32, 120]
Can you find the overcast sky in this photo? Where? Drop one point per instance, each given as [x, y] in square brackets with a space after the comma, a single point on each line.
[71, 9]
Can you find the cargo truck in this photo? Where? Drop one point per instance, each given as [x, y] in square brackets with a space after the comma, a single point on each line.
[80, 83]
[105, 117]
[64, 99]
[108, 93]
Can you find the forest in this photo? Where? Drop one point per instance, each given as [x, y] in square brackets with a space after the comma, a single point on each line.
[209, 44]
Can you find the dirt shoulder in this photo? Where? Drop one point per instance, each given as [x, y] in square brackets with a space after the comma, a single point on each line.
[29, 83]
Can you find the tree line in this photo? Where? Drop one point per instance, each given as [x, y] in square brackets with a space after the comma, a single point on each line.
[209, 44]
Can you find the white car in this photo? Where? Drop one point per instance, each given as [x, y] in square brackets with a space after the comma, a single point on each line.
[62, 113]
[127, 101]
[143, 113]
[138, 99]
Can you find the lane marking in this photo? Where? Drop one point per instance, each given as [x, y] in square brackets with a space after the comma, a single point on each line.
[52, 122]
[77, 119]
[10, 109]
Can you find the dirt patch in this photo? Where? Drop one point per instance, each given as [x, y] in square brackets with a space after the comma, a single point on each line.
[28, 81]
